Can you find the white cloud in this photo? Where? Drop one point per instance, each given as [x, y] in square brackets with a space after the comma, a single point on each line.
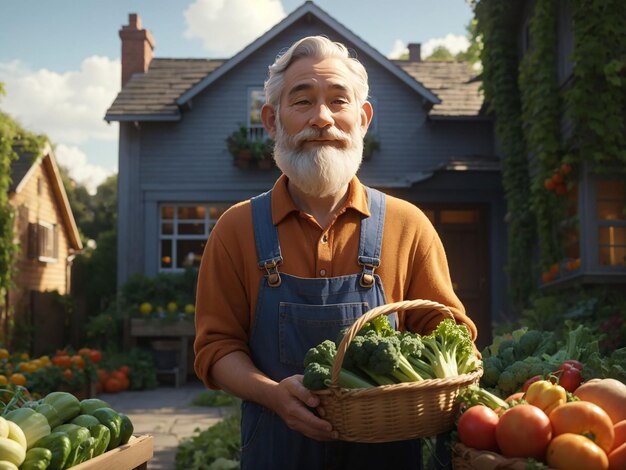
[74, 160]
[454, 43]
[69, 108]
[399, 48]
[226, 26]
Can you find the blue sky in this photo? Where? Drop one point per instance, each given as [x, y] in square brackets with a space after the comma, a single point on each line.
[60, 59]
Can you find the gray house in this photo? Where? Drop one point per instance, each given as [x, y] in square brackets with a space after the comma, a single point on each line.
[176, 175]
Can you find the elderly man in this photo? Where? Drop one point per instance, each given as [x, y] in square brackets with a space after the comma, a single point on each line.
[291, 267]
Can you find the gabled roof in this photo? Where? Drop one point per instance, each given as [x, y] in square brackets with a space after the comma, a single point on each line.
[24, 167]
[309, 8]
[152, 96]
[454, 82]
[169, 84]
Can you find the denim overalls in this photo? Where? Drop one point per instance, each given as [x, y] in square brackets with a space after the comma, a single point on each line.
[294, 314]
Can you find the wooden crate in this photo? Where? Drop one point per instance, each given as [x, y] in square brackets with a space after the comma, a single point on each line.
[133, 455]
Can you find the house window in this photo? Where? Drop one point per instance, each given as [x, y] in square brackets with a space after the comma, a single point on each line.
[256, 100]
[611, 220]
[184, 230]
[43, 242]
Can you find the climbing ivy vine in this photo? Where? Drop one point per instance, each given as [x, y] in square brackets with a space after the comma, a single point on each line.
[595, 102]
[11, 134]
[541, 105]
[500, 63]
[539, 164]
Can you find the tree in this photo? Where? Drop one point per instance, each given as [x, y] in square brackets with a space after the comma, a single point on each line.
[440, 54]
[472, 54]
[11, 135]
[95, 271]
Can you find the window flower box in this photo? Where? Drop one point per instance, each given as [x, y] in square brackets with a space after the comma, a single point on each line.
[250, 152]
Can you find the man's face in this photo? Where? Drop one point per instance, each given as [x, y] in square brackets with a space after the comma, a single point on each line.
[319, 131]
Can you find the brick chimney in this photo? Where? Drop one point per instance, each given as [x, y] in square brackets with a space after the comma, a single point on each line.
[415, 52]
[137, 47]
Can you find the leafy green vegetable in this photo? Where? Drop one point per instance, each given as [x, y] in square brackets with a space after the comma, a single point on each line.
[475, 395]
[214, 448]
[318, 362]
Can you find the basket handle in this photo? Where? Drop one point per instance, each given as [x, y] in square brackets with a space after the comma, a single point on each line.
[373, 313]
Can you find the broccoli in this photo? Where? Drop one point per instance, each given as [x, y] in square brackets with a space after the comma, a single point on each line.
[380, 325]
[411, 346]
[528, 343]
[475, 395]
[492, 368]
[318, 377]
[449, 350]
[324, 353]
[318, 363]
[507, 383]
[380, 358]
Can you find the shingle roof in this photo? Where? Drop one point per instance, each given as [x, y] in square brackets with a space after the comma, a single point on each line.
[152, 96]
[20, 166]
[454, 83]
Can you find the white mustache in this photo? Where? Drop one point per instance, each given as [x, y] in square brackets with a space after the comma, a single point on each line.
[311, 133]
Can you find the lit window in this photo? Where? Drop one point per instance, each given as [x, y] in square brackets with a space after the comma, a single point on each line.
[611, 219]
[184, 230]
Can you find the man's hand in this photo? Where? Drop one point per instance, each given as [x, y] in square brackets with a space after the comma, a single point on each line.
[292, 401]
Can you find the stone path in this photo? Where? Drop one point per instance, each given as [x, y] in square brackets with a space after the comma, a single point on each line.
[166, 414]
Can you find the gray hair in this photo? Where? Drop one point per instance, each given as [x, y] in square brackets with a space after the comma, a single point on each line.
[318, 47]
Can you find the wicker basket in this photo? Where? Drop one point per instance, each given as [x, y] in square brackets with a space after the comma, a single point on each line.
[466, 458]
[392, 412]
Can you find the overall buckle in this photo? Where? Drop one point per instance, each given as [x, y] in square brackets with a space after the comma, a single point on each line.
[273, 276]
[367, 276]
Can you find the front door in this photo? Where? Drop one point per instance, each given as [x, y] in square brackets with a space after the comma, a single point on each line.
[463, 231]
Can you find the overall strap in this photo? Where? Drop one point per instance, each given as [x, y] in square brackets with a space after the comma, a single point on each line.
[266, 237]
[371, 236]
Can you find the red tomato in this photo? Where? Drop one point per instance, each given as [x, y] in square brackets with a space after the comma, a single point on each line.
[112, 385]
[569, 376]
[477, 428]
[514, 397]
[524, 431]
[124, 370]
[531, 381]
[573, 362]
[116, 374]
[575, 452]
[62, 360]
[95, 356]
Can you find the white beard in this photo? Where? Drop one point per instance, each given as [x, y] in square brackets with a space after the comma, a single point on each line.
[323, 170]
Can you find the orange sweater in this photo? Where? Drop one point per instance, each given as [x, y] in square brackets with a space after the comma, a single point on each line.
[413, 266]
